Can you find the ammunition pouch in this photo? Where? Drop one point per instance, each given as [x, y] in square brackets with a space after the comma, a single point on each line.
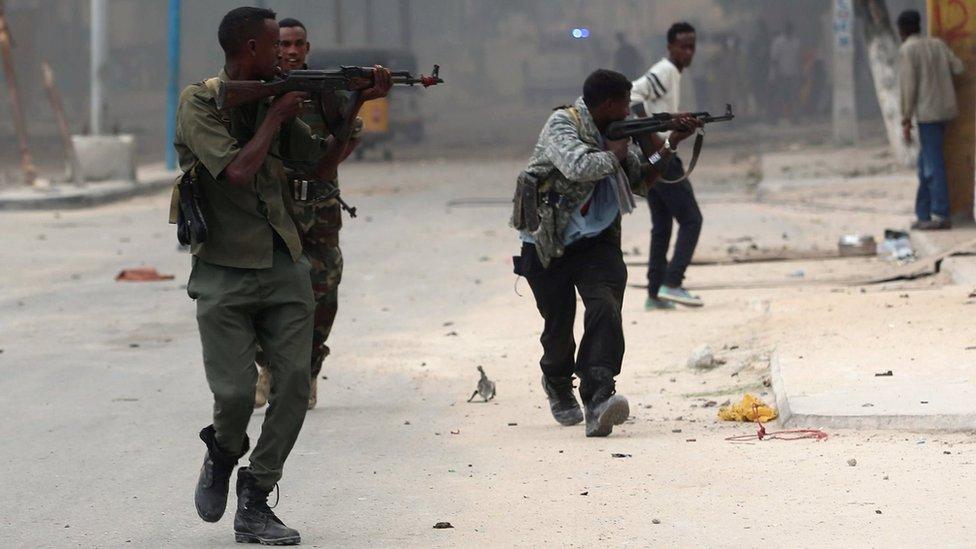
[312, 191]
[525, 213]
[191, 226]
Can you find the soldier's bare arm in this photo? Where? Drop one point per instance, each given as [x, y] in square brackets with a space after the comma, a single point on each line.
[246, 164]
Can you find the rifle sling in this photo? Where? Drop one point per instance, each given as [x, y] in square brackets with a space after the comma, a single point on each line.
[696, 152]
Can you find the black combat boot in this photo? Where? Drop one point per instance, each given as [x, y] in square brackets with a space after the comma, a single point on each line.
[211, 493]
[562, 400]
[605, 409]
[255, 522]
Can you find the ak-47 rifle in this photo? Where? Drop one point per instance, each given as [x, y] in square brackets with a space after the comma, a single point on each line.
[641, 130]
[341, 122]
[234, 93]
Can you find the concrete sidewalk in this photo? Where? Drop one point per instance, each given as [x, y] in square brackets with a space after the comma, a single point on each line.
[832, 356]
[150, 178]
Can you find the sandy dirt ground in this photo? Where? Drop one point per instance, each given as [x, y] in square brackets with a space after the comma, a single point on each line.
[103, 388]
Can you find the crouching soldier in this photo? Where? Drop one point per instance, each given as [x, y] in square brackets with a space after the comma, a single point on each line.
[568, 206]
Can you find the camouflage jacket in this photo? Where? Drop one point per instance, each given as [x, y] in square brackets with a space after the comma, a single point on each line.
[569, 161]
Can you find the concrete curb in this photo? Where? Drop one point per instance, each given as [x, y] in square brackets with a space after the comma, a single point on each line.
[783, 409]
[93, 194]
[898, 406]
[962, 270]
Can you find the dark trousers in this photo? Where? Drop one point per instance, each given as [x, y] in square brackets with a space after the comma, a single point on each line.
[595, 268]
[238, 309]
[933, 187]
[670, 202]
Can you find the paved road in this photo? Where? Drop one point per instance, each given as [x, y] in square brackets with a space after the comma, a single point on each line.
[103, 393]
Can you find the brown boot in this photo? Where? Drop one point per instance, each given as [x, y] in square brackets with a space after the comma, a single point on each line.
[262, 388]
[313, 395]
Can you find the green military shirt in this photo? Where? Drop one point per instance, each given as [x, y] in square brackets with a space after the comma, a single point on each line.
[241, 220]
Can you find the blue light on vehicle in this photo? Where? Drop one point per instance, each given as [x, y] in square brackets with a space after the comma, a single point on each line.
[580, 33]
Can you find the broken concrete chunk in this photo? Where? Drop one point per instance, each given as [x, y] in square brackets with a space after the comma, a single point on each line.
[702, 358]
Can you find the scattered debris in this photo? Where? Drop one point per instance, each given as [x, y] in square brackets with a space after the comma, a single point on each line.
[709, 404]
[451, 333]
[888, 373]
[703, 358]
[486, 387]
[857, 245]
[896, 247]
[142, 274]
[749, 409]
[620, 455]
[852, 462]
[443, 525]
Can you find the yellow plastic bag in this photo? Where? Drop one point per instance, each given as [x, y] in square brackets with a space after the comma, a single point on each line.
[750, 409]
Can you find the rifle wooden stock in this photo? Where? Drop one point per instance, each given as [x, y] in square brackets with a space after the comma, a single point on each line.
[235, 93]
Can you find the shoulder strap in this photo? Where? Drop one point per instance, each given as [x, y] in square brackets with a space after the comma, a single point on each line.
[575, 115]
[212, 84]
[696, 152]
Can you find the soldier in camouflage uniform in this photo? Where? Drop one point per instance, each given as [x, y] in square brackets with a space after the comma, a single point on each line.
[584, 184]
[318, 224]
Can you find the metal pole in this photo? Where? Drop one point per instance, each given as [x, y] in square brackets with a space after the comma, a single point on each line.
[406, 36]
[99, 55]
[338, 22]
[368, 17]
[844, 106]
[54, 97]
[26, 161]
[172, 91]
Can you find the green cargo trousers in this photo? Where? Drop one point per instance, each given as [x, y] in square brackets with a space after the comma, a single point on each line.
[237, 309]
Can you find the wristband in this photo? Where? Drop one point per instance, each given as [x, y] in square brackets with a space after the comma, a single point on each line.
[654, 159]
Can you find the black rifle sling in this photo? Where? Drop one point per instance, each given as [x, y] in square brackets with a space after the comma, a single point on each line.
[696, 152]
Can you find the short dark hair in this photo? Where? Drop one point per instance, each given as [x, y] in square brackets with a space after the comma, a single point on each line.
[910, 21]
[602, 85]
[241, 25]
[291, 22]
[680, 27]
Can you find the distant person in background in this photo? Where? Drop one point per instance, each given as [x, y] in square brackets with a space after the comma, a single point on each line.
[927, 66]
[784, 72]
[627, 60]
[758, 69]
[658, 91]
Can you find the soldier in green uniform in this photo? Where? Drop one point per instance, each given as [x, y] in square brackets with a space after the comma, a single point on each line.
[250, 278]
[318, 224]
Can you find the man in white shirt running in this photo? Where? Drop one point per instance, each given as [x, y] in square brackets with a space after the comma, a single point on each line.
[658, 91]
